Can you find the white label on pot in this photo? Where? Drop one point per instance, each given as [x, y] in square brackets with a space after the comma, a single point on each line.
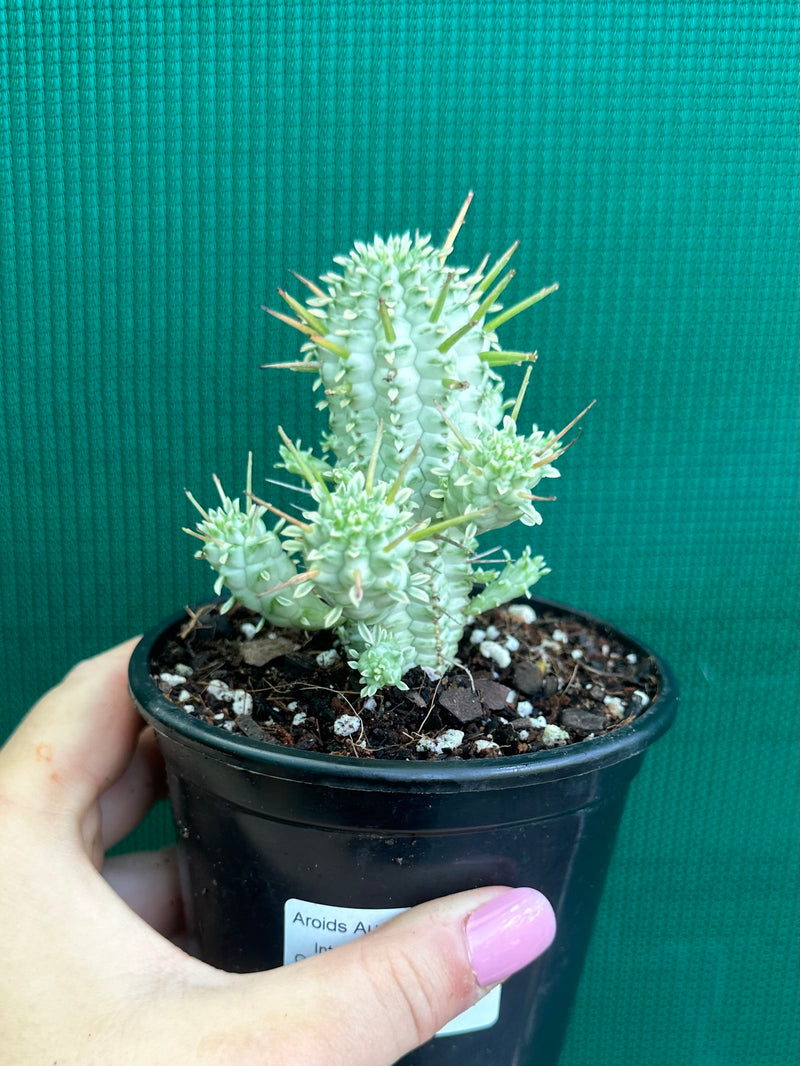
[312, 928]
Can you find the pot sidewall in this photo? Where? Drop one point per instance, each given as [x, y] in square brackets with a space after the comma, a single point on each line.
[262, 827]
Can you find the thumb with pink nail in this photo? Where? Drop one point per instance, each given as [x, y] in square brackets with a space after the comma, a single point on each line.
[93, 968]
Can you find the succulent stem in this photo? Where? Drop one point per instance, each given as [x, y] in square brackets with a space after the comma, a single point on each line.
[418, 462]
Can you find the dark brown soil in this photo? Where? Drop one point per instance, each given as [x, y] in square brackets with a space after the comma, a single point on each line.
[564, 682]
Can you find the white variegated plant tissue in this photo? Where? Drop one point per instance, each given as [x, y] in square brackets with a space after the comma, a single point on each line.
[422, 455]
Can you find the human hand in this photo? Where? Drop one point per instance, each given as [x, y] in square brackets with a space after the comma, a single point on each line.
[91, 974]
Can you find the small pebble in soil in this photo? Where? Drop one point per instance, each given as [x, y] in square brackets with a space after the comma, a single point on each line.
[494, 696]
[581, 721]
[464, 705]
[528, 678]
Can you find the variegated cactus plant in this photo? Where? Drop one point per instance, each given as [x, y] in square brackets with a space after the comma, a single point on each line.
[421, 457]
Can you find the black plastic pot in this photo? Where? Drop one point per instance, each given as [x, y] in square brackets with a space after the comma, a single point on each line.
[271, 839]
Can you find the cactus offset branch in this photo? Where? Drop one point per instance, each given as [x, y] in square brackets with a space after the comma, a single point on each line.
[418, 461]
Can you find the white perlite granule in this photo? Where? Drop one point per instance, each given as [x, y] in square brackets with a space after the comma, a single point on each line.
[614, 707]
[346, 724]
[219, 689]
[241, 701]
[171, 679]
[486, 745]
[553, 736]
[299, 718]
[490, 649]
[447, 741]
[522, 612]
[328, 658]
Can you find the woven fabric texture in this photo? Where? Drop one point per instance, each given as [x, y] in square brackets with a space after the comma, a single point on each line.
[163, 166]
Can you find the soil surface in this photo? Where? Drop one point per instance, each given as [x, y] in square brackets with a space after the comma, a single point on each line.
[526, 684]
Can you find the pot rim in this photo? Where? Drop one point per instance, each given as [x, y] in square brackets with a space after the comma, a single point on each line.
[449, 775]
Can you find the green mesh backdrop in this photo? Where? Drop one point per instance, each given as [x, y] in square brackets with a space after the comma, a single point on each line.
[163, 165]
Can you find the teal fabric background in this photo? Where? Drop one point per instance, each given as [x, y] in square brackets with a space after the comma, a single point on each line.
[163, 166]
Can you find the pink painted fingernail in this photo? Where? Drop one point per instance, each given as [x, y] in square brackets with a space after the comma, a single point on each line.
[508, 932]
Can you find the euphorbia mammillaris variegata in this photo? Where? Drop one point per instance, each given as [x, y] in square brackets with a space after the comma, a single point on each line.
[423, 455]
